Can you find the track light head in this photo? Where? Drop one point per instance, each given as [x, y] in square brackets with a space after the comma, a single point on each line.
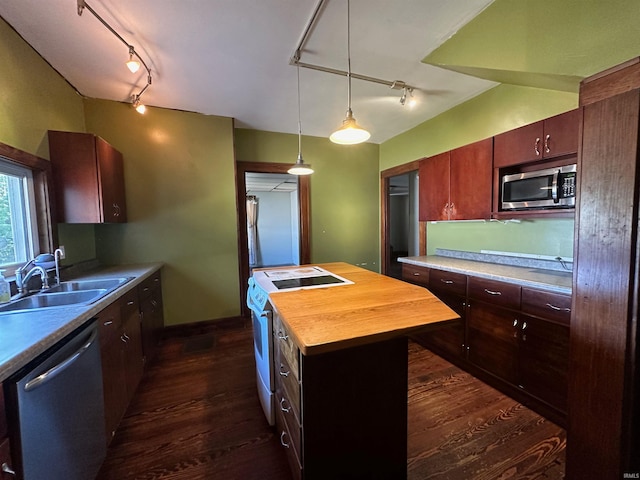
[138, 105]
[133, 65]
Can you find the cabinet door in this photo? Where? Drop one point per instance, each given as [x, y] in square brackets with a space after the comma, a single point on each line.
[544, 360]
[524, 144]
[561, 134]
[5, 460]
[447, 339]
[132, 335]
[471, 181]
[111, 174]
[152, 320]
[492, 340]
[434, 188]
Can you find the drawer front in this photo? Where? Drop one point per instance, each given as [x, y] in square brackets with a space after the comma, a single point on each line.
[109, 322]
[549, 305]
[415, 274]
[147, 287]
[129, 304]
[288, 443]
[497, 293]
[5, 459]
[3, 416]
[448, 282]
[284, 343]
[290, 386]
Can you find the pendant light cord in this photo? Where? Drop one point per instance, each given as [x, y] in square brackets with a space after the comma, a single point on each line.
[299, 122]
[348, 55]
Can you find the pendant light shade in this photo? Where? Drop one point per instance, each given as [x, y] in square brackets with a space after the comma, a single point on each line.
[299, 168]
[349, 133]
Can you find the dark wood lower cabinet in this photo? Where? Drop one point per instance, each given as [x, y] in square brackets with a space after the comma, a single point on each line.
[342, 414]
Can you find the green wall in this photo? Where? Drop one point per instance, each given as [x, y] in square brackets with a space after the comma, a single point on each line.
[344, 192]
[181, 205]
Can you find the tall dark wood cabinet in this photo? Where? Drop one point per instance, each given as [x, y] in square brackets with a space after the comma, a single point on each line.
[603, 378]
[88, 176]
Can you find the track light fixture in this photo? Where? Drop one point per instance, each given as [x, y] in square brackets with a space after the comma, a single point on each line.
[134, 59]
[300, 168]
[410, 100]
[350, 133]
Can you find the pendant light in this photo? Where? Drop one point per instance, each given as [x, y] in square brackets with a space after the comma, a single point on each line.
[349, 133]
[299, 168]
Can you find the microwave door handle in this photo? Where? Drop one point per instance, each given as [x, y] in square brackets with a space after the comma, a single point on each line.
[554, 187]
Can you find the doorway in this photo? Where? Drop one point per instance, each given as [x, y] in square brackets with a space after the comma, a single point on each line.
[299, 239]
[402, 232]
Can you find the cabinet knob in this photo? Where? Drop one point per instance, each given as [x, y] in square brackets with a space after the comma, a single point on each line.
[7, 469]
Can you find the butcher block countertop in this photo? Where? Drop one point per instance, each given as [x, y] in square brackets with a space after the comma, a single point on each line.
[374, 308]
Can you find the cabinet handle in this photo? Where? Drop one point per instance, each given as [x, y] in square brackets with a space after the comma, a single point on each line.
[124, 340]
[107, 323]
[282, 442]
[7, 469]
[448, 282]
[491, 292]
[558, 309]
[515, 322]
[146, 289]
[416, 274]
[130, 302]
[546, 144]
[116, 210]
[535, 146]
[154, 303]
[282, 372]
[283, 408]
[282, 336]
[524, 325]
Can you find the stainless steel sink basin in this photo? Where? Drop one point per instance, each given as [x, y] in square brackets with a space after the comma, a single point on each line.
[80, 285]
[45, 300]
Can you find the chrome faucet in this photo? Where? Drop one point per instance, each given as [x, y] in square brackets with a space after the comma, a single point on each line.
[57, 256]
[22, 279]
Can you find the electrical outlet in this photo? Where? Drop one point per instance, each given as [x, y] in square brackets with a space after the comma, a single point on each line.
[62, 252]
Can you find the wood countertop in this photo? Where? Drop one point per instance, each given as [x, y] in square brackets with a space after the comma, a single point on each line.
[374, 308]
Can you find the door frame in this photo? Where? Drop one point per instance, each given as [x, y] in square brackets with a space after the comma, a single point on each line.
[385, 212]
[243, 243]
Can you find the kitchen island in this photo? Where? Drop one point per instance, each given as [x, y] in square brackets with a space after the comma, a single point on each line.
[341, 373]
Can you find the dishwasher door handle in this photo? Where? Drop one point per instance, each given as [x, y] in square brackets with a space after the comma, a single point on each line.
[52, 372]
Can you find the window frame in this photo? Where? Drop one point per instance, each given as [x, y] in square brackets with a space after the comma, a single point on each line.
[43, 196]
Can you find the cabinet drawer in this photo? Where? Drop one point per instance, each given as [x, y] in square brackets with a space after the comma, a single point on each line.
[290, 386]
[415, 274]
[3, 417]
[448, 282]
[5, 458]
[147, 287]
[497, 293]
[293, 425]
[284, 344]
[109, 321]
[287, 440]
[550, 305]
[129, 304]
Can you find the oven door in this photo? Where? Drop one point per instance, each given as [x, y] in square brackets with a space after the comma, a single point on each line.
[262, 321]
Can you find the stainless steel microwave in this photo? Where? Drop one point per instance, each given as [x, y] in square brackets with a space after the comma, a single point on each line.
[548, 188]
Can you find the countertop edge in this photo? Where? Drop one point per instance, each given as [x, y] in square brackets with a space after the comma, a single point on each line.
[507, 273]
[75, 316]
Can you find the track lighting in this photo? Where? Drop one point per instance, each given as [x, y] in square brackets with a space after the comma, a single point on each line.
[350, 133]
[410, 101]
[300, 168]
[133, 64]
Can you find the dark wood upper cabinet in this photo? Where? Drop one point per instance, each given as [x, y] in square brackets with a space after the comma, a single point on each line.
[549, 138]
[456, 185]
[88, 178]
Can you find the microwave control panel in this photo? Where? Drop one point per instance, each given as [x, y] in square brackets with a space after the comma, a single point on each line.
[569, 185]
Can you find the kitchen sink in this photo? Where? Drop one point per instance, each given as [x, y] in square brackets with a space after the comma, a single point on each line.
[75, 292]
[45, 300]
[80, 285]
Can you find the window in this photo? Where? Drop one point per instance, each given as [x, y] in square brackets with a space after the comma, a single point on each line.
[18, 224]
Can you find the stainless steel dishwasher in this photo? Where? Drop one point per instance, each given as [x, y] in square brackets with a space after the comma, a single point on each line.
[56, 411]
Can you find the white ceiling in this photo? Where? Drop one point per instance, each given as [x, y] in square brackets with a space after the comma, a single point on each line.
[232, 57]
[270, 182]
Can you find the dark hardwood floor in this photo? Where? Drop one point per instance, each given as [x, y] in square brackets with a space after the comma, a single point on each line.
[196, 416]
